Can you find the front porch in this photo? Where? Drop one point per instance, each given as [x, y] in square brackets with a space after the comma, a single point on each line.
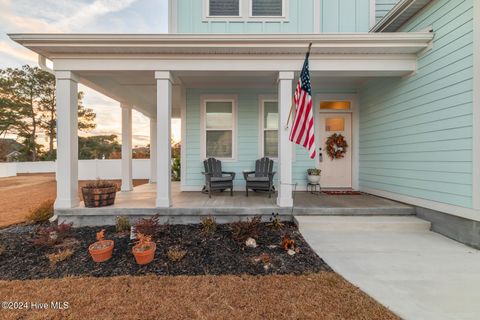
[189, 207]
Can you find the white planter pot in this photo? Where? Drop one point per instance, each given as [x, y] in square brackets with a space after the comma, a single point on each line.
[313, 179]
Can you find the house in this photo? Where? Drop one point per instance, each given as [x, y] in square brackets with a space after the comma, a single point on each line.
[400, 80]
[9, 150]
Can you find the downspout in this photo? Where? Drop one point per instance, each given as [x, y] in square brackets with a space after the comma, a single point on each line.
[42, 62]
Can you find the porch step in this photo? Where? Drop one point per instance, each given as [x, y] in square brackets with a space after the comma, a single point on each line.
[362, 223]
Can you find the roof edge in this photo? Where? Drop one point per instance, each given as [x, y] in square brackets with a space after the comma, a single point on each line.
[396, 12]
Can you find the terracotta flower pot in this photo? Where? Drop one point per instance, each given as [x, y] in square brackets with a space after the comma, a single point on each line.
[144, 253]
[101, 250]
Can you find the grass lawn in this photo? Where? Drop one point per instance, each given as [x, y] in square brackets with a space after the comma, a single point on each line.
[323, 295]
[20, 194]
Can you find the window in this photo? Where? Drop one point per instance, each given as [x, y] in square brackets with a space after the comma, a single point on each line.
[224, 8]
[267, 8]
[335, 124]
[335, 105]
[218, 118]
[269, 132]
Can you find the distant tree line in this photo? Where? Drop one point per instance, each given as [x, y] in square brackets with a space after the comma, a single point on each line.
[28, 108]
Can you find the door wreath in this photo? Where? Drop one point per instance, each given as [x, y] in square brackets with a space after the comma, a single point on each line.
[336, 146]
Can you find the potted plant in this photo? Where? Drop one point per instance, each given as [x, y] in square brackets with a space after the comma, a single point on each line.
[102, 249]
[313, 175]
[144, 249]
[99, 194]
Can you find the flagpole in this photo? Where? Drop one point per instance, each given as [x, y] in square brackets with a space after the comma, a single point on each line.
[293, 100]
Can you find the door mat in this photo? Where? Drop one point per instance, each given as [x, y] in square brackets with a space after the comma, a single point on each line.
[343, 193]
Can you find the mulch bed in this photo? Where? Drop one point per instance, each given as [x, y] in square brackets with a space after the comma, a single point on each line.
[214, 254]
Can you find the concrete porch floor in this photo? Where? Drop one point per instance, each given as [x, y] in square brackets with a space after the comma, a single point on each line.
[189, 206]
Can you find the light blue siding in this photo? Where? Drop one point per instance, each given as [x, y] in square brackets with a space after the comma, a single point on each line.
[247, 132]
[382, 7]
[190, 19]
[345, 15]
[334, 15]
[416, 132]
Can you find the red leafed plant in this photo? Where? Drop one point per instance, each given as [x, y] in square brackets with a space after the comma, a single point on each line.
[147, 226]
[288, 243]
[52, 235]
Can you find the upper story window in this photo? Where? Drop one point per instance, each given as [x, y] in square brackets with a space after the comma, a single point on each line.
[245, 9]
[267, 8]
[224, 8]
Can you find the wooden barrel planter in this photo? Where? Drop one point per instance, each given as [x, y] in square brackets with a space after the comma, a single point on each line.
[94, 197]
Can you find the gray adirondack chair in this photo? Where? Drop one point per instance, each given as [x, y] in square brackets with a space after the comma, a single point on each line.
[262, 178]
[215, 178]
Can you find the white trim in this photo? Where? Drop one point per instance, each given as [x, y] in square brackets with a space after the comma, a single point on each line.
[461, 212]
[317, 21]
[476, 105]
[373, 13]
[183, 138]
[261, 126]
[355, 111]
[245, 13]
[203, 104]
[172, 16]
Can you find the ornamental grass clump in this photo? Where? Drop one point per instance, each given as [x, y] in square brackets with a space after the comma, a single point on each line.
[59, 256]
[176, 254]
[122, 224]
[209, 225]
[242, 230]
[42, 213]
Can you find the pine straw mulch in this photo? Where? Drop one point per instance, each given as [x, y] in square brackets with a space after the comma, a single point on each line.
[323, 295]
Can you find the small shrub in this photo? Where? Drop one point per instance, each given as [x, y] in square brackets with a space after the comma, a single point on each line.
[42, 213]
[241, 231]
[3, 249]
[175, 254]
[147, 226]
[209, 225]
[52, 235]
[275, 222]
[122, 224]
[59, 256]
[288, 243]
[314, 172]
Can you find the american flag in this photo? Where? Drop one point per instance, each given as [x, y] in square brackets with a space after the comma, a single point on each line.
[302, 132]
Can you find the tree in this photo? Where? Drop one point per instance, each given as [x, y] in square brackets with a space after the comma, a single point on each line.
[28, 95]
[98, 147]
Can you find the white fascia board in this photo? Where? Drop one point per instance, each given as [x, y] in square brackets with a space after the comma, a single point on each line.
[54, 45]
[401, 8]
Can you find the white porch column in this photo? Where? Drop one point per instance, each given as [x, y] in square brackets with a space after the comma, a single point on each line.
[153, 150]
[67, 140]
[127, 184]
[285, 147]
[164, 112]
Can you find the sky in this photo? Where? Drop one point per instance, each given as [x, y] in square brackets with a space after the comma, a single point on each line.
[84, 16]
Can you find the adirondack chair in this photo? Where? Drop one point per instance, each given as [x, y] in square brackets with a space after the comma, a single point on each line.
[215, 178]
[262, 178]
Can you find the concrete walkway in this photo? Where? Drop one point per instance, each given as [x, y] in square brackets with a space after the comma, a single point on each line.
[416, 273]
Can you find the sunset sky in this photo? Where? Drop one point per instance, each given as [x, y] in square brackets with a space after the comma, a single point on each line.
[84, 16]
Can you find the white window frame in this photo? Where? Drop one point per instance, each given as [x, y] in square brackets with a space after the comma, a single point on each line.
[203, 123]
[261, 128]
[245, 13]
[282, 16]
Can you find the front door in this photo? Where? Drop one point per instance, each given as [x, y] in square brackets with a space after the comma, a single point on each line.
[336, 173]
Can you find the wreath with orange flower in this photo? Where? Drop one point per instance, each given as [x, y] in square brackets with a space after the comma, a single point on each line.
[336, 146]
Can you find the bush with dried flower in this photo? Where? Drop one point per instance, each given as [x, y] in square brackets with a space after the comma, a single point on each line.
[42, 213]
[209, 225]
[52, 235]
[242, 230]
[59, 256]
